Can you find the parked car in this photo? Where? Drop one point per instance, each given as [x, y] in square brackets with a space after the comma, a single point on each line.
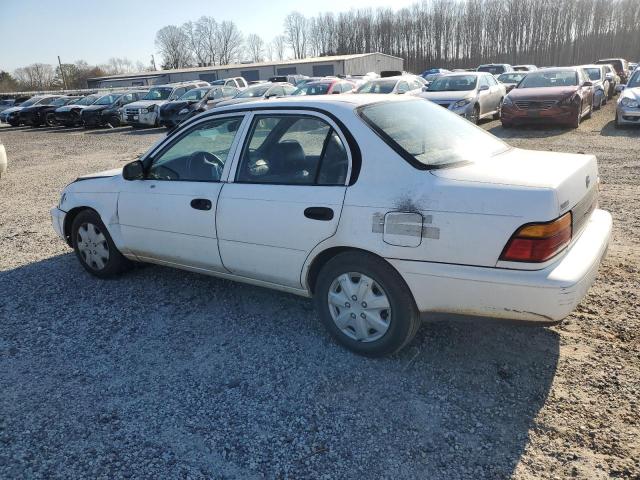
[12, 115]
[7, 103]
[598, 76]
[613, 78]
[44, 112]
[551, 95]
[632, 66]
[620, 65]
[292, 79]
[69, 115]
[261, 92]
[324, 87]
[472, 95]
[144, 112]
[3, 160]
[495, 69]
[294, 194]
[433, 71]
[107, 110]
[511, 79]
[431, 77]
[193, 102]
[628, 106]
[524, 68]
[403, 84]
[237, 82]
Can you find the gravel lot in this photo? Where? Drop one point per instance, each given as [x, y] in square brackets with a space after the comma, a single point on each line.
[167, 374]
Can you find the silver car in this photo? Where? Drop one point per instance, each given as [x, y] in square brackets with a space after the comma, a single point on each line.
[473, 95]
[601, 84]
[3, 159]
[628, 107]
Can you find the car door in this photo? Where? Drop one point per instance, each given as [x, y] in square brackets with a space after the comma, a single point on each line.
[285, 198]
[484, 94]
[497, 90]
[169, 216]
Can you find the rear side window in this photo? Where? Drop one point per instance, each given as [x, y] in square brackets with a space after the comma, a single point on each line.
[293, 150]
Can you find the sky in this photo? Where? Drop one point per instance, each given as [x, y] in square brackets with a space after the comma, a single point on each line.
[40, 30]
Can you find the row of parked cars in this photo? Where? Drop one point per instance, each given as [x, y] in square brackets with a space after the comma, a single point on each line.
[528, 94]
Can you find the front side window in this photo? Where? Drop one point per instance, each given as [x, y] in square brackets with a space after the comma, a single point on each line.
[293, 150]
[427, 135]
[199, 155]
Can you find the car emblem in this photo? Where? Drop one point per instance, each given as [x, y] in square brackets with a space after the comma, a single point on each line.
[587, 181]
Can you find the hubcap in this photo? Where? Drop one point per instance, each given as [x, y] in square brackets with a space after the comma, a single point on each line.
[93, 246]
[359, 307]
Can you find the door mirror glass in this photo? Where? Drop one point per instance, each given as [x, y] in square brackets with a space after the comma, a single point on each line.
[483, 88]
[587, 84]
[133, 170]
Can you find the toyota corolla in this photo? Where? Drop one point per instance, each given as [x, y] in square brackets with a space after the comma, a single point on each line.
[379, 207]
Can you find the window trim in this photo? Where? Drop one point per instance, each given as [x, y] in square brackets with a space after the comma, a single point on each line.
[163, 146]
[233, 177]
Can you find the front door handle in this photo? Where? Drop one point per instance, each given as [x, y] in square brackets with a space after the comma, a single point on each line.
[319, 213]
[201, 204]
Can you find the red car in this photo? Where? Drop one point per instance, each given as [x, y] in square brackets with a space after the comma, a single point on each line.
[324, 87]
[550, 95]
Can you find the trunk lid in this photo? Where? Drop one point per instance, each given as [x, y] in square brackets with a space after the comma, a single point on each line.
[573, 177]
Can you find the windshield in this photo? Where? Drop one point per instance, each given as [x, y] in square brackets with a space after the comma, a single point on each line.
[432, 76]
[158, 93]
[257, 91]
[492, 69]
[313, 89]
[429, 133]
[31, 101]
[555, 78]
[88, 100]
[107, 99]
[454, 83]
[379, 86]
[634, 81]
[194, 94]
[594, 73]
[511, 77]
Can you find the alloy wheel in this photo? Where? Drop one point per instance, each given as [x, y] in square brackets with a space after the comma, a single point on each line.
[93, 246]
[359, 307]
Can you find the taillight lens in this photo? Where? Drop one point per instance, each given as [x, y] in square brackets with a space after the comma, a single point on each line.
[538, 242]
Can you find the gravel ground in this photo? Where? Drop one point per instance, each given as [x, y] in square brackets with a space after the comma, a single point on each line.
[167, 374]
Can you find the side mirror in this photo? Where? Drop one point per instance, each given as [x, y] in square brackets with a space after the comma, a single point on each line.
[587, 84]
[483, 88]
[425, 88]
[133, 171]
[621, 87]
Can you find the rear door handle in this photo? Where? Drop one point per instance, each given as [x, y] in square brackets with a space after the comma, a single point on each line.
[201, 204]
[319, 213]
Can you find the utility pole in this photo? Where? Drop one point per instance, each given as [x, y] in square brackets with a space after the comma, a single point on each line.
[153, 62]
[64, 79]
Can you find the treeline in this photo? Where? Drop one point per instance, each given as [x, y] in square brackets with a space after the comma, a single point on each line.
[443, 33]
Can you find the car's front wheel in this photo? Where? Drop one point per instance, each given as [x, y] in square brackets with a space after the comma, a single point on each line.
[94, 247]
[365, 304]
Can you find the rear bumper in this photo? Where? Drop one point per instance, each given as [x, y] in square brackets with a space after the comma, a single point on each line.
[546, 295]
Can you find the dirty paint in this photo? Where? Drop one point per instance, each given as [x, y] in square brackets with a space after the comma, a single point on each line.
[397, 226]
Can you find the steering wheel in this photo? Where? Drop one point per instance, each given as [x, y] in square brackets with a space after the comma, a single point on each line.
[206, 164]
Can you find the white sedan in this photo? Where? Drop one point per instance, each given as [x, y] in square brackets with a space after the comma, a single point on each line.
[3, 160]
[379, 207]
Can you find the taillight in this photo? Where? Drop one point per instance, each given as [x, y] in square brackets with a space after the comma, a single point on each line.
[538, 242]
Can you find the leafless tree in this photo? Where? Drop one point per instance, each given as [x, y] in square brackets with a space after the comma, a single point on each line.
[279, 44]
[295, 26]
[255, 47]
[173, 45]
[207, 29]
[37, 76]
[229, 39]
[196, 42]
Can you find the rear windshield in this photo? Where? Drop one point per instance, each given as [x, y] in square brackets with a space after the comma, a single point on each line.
[555, 78]
[312, 89]
[429, 136]
[492, 69]
[511, 77]
[379, 86]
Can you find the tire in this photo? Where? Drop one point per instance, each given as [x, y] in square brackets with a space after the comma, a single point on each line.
[496, 116]
[114, 121]
[590, 112]
[89, 233]
[385, 287]
[576, 121]
[14, 124]
[50, 120]
[475, 117]
[617, 121]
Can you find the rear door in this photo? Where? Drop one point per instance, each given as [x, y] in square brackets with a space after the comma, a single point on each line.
[286, 195]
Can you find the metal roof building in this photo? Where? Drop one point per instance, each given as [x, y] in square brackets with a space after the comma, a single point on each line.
[356, 64]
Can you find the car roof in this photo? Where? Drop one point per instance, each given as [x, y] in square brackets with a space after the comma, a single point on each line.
[466, 74]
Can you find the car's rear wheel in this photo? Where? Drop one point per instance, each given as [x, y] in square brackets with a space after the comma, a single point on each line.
[496, 116]
[474, 117]
[578, 117]
[94, 247]
[365, 304]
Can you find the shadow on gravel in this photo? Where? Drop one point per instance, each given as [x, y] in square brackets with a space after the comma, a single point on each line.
[147, 131]
[610, 130]
[528, 131]
[104, 130]
[165, 374]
